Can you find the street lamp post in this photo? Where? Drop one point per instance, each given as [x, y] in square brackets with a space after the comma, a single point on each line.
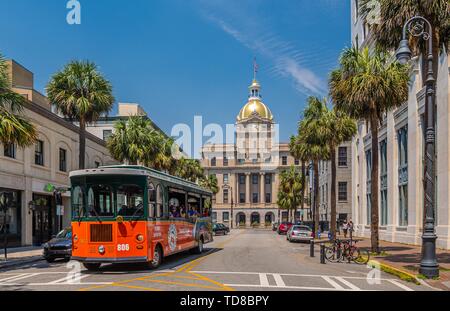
[418, 26]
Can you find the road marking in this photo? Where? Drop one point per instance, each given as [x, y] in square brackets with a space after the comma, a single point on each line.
[16, 278]
[70, 279]
[395, 282]
[352, 286]
[333, 283]
[263, 280]
[183, 284]
[278, 280]
[291, 287]
[12, 277]
[138, 287]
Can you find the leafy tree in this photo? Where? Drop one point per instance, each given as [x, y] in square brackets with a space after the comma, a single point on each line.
[14, 128]
[365, 87]
[80, 93]
[290, 190]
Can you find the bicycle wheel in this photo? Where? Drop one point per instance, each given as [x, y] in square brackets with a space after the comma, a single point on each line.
[360, 256]
[333, 254]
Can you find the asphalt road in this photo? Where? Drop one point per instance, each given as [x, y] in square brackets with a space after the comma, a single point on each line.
[243, 260]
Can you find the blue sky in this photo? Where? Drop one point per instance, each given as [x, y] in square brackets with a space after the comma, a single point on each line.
[181, 58]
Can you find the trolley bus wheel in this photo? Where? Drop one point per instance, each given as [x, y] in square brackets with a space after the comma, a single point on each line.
[92, 266]
[199, 248]
[157, 258]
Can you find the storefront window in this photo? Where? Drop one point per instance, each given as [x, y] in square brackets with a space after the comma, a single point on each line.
[10, 214]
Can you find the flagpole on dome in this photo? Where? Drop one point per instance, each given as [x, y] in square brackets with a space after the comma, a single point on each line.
[255, 68]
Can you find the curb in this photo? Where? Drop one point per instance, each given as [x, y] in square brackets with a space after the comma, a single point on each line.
[403, 275]
[14, 263]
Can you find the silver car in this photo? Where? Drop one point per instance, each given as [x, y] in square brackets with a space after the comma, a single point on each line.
[299, 233]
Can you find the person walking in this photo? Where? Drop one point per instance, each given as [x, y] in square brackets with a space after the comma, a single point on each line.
[345, 228]
[350, 228]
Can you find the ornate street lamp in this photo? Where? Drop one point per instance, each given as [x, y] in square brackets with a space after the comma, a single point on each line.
[418, 26]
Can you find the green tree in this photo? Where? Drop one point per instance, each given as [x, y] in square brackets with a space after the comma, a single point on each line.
[394, 14]
[366, 86]
[189, 169]
[338, 128]
[14, 128]
[299, 153]
[82, 94]
[290, 190]
[210, 182]
[311, 145]
[133, 140]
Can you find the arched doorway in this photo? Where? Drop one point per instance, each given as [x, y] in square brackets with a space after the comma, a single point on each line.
[255, 219]
[269, 218]
[240, 219]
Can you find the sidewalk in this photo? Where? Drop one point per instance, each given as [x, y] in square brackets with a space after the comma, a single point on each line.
[20, 255]
[406, 258]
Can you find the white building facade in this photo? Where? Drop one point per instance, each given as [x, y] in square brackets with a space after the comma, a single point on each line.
[401, 147]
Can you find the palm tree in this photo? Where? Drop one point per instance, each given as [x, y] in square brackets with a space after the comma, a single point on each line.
[365, 87]
[14, 128]
[290, 190]
[311, 145]
[189, 169]
[298, 152]
[133, 140]
[210, 182]
[393, 15]
[80, 93]
[338, 128]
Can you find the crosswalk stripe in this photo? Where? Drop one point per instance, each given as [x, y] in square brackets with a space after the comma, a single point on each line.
[278, 280]
[18, 277]
[263, 280]
[352, 286]
[333, 283]
[401, 285]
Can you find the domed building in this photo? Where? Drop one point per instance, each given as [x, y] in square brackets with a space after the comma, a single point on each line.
[248, 170]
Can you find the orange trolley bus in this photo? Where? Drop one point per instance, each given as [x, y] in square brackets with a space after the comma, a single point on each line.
[133, 214]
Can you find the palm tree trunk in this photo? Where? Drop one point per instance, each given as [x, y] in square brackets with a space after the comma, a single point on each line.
[333, 191]
[316, 198]
[82, 155]
[303, 187]
[374, 186]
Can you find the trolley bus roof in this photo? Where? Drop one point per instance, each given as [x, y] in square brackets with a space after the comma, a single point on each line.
[138, 170]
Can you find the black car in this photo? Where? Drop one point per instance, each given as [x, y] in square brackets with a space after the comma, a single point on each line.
[59, 247]
[220, 229]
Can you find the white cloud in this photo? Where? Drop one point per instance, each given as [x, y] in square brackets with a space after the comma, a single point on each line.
[287, 61]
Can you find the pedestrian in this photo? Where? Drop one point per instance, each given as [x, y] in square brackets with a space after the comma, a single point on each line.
[350, 228]
[345, 228]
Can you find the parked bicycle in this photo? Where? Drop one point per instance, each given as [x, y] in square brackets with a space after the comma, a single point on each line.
[341, 250]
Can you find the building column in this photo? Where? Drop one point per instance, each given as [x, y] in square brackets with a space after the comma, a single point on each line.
[247, 188]
[262, 195]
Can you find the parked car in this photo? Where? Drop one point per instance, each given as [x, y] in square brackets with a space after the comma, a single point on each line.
[284, 227]
[299, 233]
[274, 226]
[220, 229]
[59, 247]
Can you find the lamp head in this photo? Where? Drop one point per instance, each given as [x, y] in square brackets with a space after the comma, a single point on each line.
[403, 53]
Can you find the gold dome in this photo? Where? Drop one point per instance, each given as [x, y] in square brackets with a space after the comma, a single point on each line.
[255, 106]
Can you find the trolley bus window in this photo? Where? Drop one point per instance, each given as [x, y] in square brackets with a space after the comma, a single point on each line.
[159, 202]
[152, 213]
[99, 201]
[77, 202]
[130, 200]
[206, 206]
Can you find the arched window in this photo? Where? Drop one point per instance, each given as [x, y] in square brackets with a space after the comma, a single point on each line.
[159, 201]
[151, 201]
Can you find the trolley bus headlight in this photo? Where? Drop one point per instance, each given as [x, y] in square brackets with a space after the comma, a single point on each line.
[140, 238]
[75, 238]
[101, 249]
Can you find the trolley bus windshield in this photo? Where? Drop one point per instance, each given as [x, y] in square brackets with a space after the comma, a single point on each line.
[100, 197]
